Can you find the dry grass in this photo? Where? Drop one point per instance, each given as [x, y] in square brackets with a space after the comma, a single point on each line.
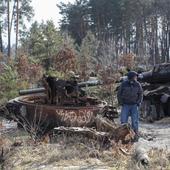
[159, 160]
[77, 152]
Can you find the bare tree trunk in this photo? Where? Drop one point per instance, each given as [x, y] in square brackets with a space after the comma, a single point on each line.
[164, 42]
[152, 47]
[139, 46]
[1, 42]
[9, 33]
[117, 52]
[157, 59]
[168, 43]
[17, 25]
[129, 43]
[136, 39]
[147, 39]
[12, 17]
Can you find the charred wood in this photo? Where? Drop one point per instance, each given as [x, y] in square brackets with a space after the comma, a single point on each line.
[117, 134]
[88, 132]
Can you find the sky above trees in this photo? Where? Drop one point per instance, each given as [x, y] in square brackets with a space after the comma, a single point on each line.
[44, 10]
[47, 10]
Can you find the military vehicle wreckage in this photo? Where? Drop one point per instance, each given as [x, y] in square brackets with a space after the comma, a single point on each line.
[156, 87]
[64, 103]
[61, 103]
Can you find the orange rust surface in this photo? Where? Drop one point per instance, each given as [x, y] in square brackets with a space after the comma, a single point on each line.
[59, 115]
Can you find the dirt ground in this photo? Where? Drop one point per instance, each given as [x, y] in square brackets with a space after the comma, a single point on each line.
[155, 135]
[79, 153]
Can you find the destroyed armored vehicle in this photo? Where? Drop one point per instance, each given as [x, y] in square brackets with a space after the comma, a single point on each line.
[59, 103]
[156, 92]
[156, 86]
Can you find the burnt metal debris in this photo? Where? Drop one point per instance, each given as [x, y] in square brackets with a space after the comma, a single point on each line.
[64, 103]
[156, 86]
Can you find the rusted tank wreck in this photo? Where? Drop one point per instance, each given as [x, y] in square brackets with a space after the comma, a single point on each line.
[59, 103]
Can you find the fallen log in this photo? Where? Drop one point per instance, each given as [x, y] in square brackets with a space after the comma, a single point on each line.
[117, 132]
[104, 124]
[123, 133]
[141, 156]
[88, 132]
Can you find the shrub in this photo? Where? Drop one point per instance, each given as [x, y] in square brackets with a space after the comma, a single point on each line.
[8, 83]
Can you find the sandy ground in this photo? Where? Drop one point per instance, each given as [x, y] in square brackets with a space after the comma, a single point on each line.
[155, 135]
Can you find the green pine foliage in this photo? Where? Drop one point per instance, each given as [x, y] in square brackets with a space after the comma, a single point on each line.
[8, 84]
[42, 42]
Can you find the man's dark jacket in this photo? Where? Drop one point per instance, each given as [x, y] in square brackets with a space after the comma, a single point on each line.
[130, 92]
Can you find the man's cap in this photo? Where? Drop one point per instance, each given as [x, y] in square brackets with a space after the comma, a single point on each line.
[132, 74]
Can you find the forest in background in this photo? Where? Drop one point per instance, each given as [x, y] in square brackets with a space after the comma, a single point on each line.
[99, 36]
[103, 38]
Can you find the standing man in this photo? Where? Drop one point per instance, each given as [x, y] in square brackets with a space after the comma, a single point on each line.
[130, 96]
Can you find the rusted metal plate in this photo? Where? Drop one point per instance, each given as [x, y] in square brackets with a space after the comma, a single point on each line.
[32, 108]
